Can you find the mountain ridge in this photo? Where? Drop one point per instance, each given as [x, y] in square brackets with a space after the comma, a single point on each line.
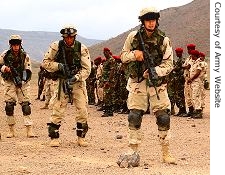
[183, 25]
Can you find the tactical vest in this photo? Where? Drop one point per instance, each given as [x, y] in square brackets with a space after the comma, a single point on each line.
[17, 62]
[154, 45]
[70, 56]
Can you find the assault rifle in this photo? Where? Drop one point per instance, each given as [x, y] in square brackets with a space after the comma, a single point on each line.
[67, 74]
[148, 61]
[15, 77]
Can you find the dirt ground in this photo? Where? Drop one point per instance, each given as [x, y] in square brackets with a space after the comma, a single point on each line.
[190, 144]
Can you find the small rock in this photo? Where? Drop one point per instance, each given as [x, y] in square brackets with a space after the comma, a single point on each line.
[119, 137]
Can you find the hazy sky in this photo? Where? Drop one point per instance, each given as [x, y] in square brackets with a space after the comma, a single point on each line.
[97, 19]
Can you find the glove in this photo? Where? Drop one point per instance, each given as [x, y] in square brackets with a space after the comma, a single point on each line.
[72, 80]
[61, 68]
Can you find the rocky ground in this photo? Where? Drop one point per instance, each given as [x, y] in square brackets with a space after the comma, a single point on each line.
[20, 155]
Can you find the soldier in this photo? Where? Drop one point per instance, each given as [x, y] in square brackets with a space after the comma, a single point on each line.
[69, 62]
[91, 85]
[205, 83]
[176, 85]
[48, 91]
[158, 45]
[195, 81]
[187, 88]
[98, 89]
[41, 82]
[16, 72]
[108, 81]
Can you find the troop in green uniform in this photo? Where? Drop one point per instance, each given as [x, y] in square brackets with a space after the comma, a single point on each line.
[108, 83]
[90, 81]
[176, 85]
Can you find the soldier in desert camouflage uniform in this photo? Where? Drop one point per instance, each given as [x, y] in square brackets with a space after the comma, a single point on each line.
[68, 57]
[205, 83]
[196, 81]
[187, 88]
[16, 72]
[139, 87]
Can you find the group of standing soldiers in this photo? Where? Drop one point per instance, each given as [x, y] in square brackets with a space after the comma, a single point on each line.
[107, 84]
[188, 82]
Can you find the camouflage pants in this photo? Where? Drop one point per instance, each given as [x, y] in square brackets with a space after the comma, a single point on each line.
[60, 101]
[12, 93]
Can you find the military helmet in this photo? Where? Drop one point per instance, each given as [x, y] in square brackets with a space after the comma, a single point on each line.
[68, 30]
[149, 13]
[15, 39]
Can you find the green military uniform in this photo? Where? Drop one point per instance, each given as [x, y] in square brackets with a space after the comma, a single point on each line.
[108, 81]
[176, 87]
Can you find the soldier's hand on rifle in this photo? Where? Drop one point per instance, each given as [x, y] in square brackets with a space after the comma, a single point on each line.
[139, 55]
[7, 69]
[146, 74]
[61, 68]
[72, 80]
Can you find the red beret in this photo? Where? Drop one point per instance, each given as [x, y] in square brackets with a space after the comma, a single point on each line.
[106, 49]
[98, 59]
[179, 49]
[103, 59]
[116, 57]
[201, 54]
[191, 46]
[195, 52]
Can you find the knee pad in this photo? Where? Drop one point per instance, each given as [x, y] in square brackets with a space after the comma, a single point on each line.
[53, 130]
[163, 120]
[82, 129]
[9, 108]
[135, 118]
[26, 108]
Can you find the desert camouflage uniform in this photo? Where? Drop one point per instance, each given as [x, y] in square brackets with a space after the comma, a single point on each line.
[139, 90]
[203, 77]
[196, 84]
[99, 89]
[79, 92]
[11, 92]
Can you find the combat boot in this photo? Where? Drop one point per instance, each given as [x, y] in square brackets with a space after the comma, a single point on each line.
[11, 132]
[190, 112]
[182, 112]
[197, 114]
[30, 133]
[43, 98]
[55, 142]
[167, 157]
[82, 142]
[172, 111]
